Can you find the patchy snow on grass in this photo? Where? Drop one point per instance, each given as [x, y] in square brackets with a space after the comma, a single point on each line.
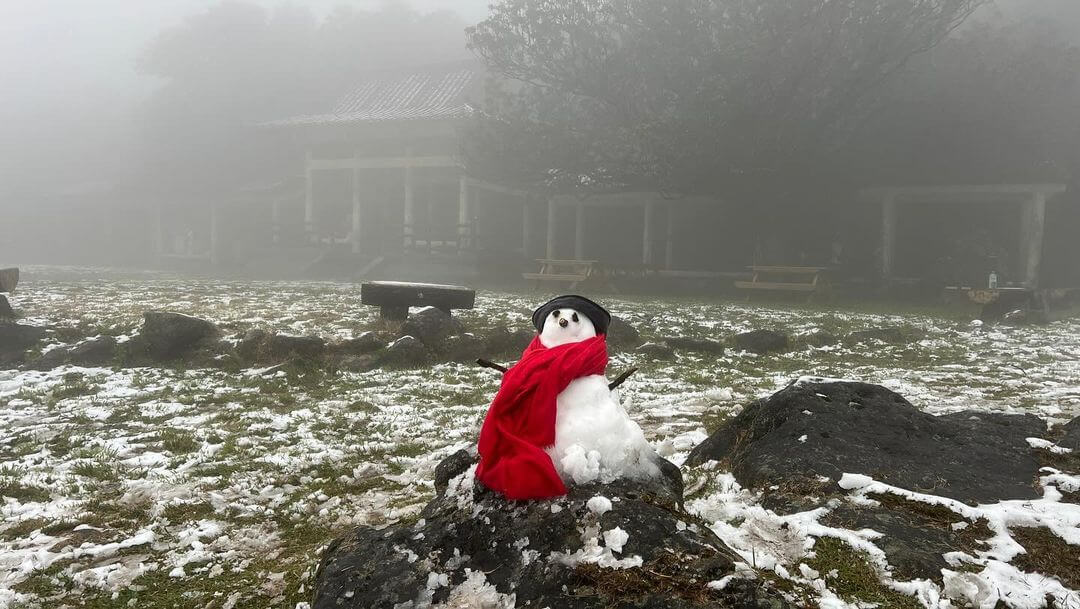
[160, 487]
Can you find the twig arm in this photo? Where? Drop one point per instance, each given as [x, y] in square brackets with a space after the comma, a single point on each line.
[490, 364]
[619, 380]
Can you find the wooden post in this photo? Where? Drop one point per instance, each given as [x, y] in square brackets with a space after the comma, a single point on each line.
[551, 217]
[309, 198]
[463, 211]
[357, 211]
[1032, 238]
[579, 231]
[409, 217]
[647, 236]
[669, 238]
[888, 234]
[215, 235]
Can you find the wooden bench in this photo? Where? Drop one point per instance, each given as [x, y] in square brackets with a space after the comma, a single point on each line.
[573, 272]
[802, 279]
[395, 297]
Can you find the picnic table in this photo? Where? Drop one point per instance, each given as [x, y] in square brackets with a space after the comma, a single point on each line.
[572, 272]
[395, 297]
[802, 279]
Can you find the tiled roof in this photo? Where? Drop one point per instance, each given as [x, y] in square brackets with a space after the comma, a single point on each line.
[420, 95]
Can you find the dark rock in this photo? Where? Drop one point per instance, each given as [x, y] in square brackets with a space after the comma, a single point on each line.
[285, 346]
[622, 335]
[656, 350]
[53, 358]
[96, 351]
[431, 326]
[359, 363]
[464, 348]
[167, 335]
[761, 341]
[516, 546]
[820, 338]
[1071, 434]
[866, 429]
[16, 338]
[892, 336]
[6, 312]
[254, 346]
[367, 342]
[451, 467]
[505, 342]
[699, 345]
[406, 352]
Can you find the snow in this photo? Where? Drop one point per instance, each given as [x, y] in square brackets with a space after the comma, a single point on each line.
[598, 505]
[278, 452]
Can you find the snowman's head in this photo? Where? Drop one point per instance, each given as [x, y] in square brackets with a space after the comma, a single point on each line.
[564, 326]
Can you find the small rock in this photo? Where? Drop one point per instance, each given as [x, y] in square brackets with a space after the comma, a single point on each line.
[431, 326]
[285, 346]
[254, 346]
[450, 467]
[95, 351]
[892, 336]
[367, 342]
[820, 338]
[506, 342]
[762, 341]
[463, 348]
[406, 352]
[16, 338]
[699, 345]
[656, 350]
[1071, 439]
[622, 335]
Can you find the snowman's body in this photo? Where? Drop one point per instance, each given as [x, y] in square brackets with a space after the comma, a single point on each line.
[594, 437]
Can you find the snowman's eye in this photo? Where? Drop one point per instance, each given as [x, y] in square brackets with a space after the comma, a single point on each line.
[575, 318]
[555, 314]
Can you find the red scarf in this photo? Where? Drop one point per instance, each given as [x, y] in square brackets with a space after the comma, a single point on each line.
[521, 420]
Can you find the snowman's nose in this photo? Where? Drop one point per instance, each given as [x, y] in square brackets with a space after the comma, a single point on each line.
[563, 323]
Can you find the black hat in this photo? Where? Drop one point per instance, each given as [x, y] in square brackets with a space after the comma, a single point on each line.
[596, 313]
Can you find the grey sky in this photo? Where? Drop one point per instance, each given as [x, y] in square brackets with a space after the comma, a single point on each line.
[49, 47]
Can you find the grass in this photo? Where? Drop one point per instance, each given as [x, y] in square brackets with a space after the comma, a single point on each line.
[856, 579]
[1047, 554]
[177, 441]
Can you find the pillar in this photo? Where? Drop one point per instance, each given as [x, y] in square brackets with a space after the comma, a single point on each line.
[669, 238]
[409, 218]
[551, 217]
[275, 221]
[215, 235]
[888, 234]
[1032, 229]
[647, 235]
[464, 213]
[357, 211]
[526, 228]
[309, 198]
[579, 231]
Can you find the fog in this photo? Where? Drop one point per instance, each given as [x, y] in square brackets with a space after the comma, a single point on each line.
[134, 107]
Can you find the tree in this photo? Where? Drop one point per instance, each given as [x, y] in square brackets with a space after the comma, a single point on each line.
[728, 97]
[237, 64]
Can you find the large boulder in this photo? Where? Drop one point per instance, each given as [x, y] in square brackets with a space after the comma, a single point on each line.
[472, 548]
[259, 345]
[761, 341]
[361, 344]
[817, 428]
[168, 335]
[503, 341]
[431, 326]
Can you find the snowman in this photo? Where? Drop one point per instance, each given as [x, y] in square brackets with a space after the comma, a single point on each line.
[554, 420]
